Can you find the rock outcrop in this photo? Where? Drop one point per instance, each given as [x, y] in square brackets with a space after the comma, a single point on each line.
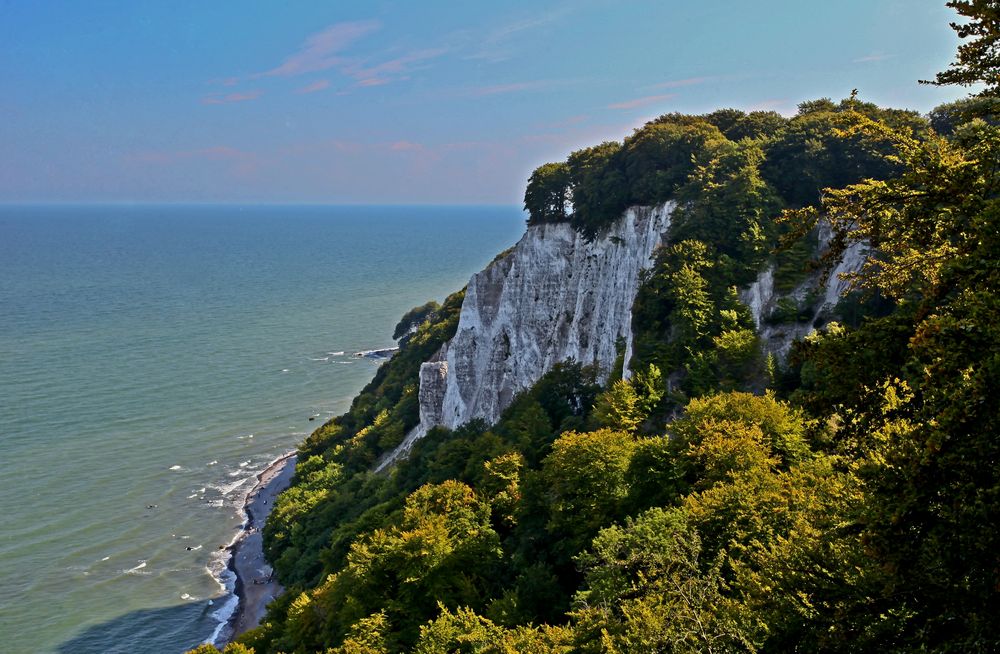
[761, 297]
[555, 297]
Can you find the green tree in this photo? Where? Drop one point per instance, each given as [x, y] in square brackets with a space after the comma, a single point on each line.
[413, 319]
[648, 590]
[817, 150]
[978, 58]
[756, 125]
[599, 191]
[660, 155]
[548, 194]
[726, 203]
[443, 549]
[628, 403]
[947, 117]
[465, 631]
[584, 485]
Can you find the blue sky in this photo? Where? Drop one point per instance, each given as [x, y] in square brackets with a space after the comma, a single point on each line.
[398, 102]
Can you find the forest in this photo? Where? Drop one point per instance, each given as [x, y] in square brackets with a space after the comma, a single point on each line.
[718, 499]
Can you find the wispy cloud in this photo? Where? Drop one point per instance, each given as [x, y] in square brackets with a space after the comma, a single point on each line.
[321, 51]
[393, 69]
[228, 98]
[678, 83]
[872, 57]
[329, 49]
[515, 87]
[498, 45]
[642, 102]
[318, 85]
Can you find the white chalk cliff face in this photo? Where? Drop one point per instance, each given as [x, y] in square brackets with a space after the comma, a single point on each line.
[762, 298]
[554, 298]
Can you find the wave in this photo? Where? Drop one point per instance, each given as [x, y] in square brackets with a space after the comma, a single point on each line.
[224, 613]
[226, 489]
[136, 569]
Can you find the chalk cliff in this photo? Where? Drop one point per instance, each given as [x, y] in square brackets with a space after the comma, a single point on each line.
[555, 297]
[762, 298]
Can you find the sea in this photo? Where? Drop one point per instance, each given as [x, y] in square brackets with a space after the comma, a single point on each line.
[153, 360]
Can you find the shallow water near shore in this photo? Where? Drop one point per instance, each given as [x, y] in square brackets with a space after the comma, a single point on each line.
[153, 360]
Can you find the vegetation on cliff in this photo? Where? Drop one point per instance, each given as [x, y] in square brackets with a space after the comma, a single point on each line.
[850, 507]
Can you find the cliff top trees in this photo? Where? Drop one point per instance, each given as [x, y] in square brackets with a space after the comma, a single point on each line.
[685, 157]
[547, 195]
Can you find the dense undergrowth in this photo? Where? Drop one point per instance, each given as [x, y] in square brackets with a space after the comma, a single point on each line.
[850, 507]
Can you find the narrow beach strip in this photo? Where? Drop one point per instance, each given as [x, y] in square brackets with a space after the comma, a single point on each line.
[255, 584]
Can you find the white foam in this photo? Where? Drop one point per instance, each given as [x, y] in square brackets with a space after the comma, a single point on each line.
[185, 596]
[338, 353]
[222, 615]
[136, 569]
[226, 489]
[323, 359]
[212, 463]
[176, 468]
[284, 370]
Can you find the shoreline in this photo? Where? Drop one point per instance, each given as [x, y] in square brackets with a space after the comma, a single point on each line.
[254, 586]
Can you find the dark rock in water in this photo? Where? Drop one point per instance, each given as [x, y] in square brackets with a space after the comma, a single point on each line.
[311, 418]
[383, 353]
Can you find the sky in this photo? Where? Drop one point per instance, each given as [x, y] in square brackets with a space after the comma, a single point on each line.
[386, 102]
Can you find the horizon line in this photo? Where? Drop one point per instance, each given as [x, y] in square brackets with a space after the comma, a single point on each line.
[191, 203]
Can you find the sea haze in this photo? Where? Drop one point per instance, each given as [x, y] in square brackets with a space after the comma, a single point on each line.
[152, 360]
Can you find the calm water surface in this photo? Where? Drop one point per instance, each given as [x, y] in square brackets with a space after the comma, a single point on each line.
[152, 360]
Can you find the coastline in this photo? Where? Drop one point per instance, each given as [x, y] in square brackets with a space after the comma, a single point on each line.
[254, 585]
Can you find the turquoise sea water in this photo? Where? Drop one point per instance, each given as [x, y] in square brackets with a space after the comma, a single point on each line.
[152, 360]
